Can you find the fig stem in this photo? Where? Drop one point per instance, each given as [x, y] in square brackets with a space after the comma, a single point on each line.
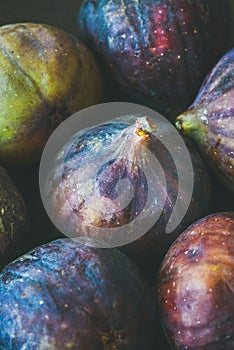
[193, 124]
[145, 126]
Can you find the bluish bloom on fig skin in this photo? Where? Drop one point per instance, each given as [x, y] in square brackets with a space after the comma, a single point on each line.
[97, 137]
[99, 188]
[58, 293]
[157, 51]
[91, 145]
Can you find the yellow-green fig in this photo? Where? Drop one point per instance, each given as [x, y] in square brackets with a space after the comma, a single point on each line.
[45, 75]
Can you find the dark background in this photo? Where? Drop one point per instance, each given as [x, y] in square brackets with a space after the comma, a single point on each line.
[62, 13]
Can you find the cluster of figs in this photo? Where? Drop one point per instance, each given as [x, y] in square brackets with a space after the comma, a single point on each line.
[169, 290]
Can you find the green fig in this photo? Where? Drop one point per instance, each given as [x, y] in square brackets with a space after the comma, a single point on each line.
[14, 221]
[210, 119]
[45, 76]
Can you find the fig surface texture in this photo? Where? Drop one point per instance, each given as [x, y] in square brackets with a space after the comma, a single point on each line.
[116, 184]
[157, 51]
[196, 284]
[45, 76]
[64, 295]
[210, 119]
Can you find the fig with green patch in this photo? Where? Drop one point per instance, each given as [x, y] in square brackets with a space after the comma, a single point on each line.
[210, 119]
[46, 75]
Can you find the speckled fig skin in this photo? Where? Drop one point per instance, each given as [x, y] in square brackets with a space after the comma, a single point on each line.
[14, 220]
[149, 250]
[67, 296]
[76, 200]
[195, 286]
[157, 51]
[210, 119]
[84, 195]
[45, 75]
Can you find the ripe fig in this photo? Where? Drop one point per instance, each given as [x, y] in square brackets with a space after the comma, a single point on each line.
[14, 220]
[196, 284]
[155, 49]
[148, 251]
[117, 183]
[210, 119]
[45, 75]
[63, 295]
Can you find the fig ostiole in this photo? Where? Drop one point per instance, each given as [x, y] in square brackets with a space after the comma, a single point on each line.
[45, 75]
[195, 286]
[210, 119]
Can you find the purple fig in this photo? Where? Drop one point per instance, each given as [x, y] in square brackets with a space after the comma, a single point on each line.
[157, 51]
[195, 286]
[117, 184]
[63, 295]
[210, 119]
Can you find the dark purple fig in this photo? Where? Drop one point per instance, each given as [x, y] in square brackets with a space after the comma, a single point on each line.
[195, 286]
[63, 295]
[210, 119]
[14, 220]
[123, 182]
[157, 51]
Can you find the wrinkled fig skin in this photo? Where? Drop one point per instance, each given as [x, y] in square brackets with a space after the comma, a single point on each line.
[158, 51]
[149, 250]
[67, 296]
[14, 221]
[195, 286]
[46, 75]
[210, 119]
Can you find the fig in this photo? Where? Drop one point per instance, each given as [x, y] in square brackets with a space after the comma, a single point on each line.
[209, 121]
[155, 49]
[149, 250]
[46, 75]
[116, 185]
[64, 295]
[14, 220]
[195, 286]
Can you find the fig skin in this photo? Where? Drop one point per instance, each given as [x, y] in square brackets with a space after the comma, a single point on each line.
[195, 286]
[14, 220]
[46, 75]
[149, 250]
[158, 52]
[63, 295]
[80, 183]
[210, 119]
